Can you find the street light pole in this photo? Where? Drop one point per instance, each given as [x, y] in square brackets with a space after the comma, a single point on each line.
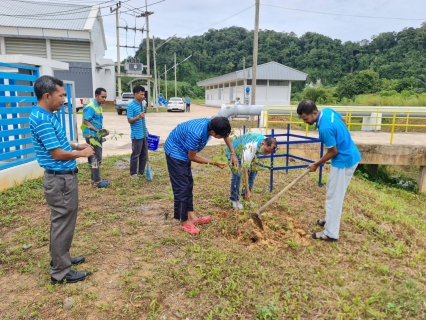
[165, 77]
[146, 14]
[175, 77]
[255, 49]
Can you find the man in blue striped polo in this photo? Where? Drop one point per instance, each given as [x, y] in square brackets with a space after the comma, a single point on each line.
[93, 119]
[344, 157]
[181, 148]
[138, 132]
[55, 154]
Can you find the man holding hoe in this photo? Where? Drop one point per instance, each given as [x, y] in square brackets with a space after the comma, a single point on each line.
[344, 157]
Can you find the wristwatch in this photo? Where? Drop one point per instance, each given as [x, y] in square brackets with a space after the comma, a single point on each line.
[75, 146]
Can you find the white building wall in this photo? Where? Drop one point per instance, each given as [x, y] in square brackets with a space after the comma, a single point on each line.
[104, 76]
[264, 95]
[2, 46]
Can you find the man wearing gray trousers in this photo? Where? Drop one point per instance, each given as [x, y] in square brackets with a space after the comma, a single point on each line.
[344, 157]
[55, 154]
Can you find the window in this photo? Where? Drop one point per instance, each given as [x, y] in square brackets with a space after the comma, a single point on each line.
[240, 83]
[220, 85]
[227, 85]
[215, 86]
[279, 83]
[261, 82]
[249, 82]
[232, 84]
[219, 94]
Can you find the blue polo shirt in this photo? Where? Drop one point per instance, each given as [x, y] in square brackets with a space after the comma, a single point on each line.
[47, 134]
[188, 136]
[246, 147]
[95, 118]
[333, 132]
[138, 129]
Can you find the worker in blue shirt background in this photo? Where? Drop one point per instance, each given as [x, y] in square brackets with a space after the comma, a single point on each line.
[138, 132]
[344, 157]
[188, 104]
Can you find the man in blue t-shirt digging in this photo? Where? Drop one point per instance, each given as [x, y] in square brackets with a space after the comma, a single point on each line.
[344, 156]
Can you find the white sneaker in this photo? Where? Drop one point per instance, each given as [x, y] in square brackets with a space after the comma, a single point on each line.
[237, 205]
[134, 176]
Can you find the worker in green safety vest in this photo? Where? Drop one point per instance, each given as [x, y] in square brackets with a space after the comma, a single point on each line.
[94, 134]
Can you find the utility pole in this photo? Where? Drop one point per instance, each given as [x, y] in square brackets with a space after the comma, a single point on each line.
[155, 75]
[255, 49]
[146, 14]
[165, 78]
[175, 77]
[117, 7]
[155, 64]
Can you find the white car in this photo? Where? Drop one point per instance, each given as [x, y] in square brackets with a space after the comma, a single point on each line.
[176, 104]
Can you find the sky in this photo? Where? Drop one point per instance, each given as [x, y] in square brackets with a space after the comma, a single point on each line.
[194, 17]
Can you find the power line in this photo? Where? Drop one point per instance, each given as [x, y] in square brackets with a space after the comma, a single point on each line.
[80, 9]
[62, 19]
[339, 14]
[77, 9]
[140, 10]
[61, 4]
[221, 20]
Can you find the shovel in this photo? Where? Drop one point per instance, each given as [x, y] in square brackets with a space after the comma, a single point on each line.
[255, 216]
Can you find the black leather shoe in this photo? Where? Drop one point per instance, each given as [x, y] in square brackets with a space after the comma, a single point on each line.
[74, 261]
[71, 277]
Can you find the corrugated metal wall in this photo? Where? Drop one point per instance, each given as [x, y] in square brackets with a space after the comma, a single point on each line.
[81, 74]
[76, 51]
[27, 46]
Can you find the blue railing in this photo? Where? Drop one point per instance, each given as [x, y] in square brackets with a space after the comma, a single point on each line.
[17, 99]
[287, 155]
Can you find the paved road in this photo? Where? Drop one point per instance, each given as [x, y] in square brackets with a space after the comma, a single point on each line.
[159, 124]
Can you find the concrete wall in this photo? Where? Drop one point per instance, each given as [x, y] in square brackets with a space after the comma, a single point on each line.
[17, 175]
[397, 155]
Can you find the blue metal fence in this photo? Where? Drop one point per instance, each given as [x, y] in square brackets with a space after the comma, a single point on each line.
[17, 99]
[287, 155]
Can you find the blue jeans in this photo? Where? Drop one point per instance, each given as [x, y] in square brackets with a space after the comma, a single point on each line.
[236, 182]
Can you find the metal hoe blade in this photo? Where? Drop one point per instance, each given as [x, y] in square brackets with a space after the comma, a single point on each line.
[256, 216]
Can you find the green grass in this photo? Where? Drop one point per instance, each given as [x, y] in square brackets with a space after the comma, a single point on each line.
[144, 267]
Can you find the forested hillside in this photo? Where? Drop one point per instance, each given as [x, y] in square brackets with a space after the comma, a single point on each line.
[398, 56]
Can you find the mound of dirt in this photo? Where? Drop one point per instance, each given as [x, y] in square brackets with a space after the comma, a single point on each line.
[280, 230]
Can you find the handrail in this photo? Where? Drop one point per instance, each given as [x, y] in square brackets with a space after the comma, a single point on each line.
[384, 117]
